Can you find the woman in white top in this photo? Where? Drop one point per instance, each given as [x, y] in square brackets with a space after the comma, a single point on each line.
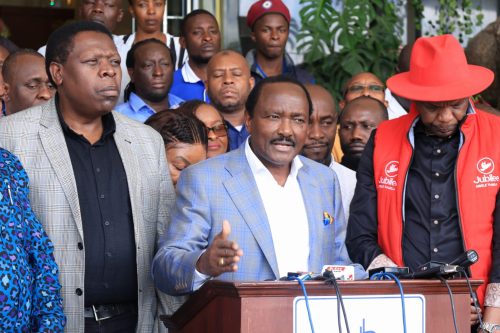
[148, 15]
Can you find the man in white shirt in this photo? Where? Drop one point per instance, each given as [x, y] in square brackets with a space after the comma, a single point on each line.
[398, 106]
[318, 147]
[257, 212]
[106, 12]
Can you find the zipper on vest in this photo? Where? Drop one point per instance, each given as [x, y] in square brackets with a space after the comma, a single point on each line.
[457, 199]
[404, 193]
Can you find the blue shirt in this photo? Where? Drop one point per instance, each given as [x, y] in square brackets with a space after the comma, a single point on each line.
[138, 110]
[187, 85]
[236, 138]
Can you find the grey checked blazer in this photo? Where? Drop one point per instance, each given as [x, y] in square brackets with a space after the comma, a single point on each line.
[36, 137]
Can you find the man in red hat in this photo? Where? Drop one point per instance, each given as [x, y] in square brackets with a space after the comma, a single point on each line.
[269, 21]
[427, 182]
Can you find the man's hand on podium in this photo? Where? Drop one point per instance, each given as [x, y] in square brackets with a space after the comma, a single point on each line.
[221, 256]
[474, 318]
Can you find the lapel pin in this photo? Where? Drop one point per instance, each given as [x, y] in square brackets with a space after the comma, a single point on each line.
[327, 218]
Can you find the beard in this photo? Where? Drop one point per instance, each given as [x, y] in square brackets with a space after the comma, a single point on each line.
[200, 59]
[227, 107]
[155, 97]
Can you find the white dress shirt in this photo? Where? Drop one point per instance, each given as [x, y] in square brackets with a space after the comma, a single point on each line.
[286, 214]
[394, 109]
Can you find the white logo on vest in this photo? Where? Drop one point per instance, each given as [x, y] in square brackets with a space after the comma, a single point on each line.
[391, 172]
[486, 166]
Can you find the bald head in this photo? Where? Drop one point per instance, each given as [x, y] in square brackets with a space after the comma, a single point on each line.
[404, 59]
[228, 56]
[363, 84]
[228, 82]
[26, 80]
[321, 98]
[322, 126]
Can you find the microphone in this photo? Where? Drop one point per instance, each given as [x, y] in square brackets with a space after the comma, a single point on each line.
[441, 270]
[457, 265]
[466, 259]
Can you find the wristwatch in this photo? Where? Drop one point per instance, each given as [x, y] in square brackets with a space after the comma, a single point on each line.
[489, 327]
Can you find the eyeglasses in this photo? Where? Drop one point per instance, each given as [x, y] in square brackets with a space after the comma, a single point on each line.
[359, 88]
[219, 130]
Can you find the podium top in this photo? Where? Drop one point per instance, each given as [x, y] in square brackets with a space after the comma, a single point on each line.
[240, 290]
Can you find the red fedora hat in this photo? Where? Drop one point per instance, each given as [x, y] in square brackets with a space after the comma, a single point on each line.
[439, 72]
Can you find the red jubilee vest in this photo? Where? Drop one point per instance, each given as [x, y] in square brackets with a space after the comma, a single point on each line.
[477, 178]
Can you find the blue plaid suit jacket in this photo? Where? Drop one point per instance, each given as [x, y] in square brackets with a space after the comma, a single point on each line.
[224, 188]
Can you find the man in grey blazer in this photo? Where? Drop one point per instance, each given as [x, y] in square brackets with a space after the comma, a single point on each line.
[99, 185]
[259, 211]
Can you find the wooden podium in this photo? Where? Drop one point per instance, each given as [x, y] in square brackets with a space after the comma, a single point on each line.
[247, 307]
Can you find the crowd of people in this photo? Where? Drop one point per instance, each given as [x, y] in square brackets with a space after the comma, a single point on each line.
[136, 168]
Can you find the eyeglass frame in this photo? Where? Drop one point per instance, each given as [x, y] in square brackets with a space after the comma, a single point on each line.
[214, 130]
[361, 87]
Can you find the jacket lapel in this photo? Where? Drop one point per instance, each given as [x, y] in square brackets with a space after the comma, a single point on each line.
[124, 142]
[309, 190]
[54, 145]
[243, 191]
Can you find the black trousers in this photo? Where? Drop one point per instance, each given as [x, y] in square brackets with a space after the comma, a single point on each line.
[124, 323]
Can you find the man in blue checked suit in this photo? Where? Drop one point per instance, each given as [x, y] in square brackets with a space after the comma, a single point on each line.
[257, 212]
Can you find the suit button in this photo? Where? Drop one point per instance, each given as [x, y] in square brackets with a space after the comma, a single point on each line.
[80, 246]
[79, 292]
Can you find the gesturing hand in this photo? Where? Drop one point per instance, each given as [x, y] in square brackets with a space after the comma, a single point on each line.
[221, 256]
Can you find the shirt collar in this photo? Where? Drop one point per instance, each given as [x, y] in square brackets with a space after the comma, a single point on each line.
[108, 123]
[251, 58]
[136, 103]
[258, 168]
[188, 74]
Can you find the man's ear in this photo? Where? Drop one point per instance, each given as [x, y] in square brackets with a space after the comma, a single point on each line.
[131, 11]
[120, 16]
[182, 42]
[79, 12]
[252, 82]
[56, 73]
[341, 104]
[252, 36]
[6, 88]
[386, 103]
[131, 74]
[248, 122]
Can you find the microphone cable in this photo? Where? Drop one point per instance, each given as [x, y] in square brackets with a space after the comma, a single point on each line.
[306, 299]
[340, 301]
[390, 276]
[473, 296]
[452, 302]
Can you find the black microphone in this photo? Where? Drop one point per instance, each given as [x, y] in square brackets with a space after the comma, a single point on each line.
[466, 259]
[441, 270]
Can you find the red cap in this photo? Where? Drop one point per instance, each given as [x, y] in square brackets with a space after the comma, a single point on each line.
[263, 7]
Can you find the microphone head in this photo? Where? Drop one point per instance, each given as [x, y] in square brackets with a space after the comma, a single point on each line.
[472, 256]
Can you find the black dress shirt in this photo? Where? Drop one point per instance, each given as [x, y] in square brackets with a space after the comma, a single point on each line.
[110, 258]
[432, 227]
[429, 197]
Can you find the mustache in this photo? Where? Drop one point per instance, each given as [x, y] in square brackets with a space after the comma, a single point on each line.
[316, 142]
[283, 140]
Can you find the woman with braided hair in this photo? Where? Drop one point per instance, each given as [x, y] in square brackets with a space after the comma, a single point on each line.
[185, 139]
